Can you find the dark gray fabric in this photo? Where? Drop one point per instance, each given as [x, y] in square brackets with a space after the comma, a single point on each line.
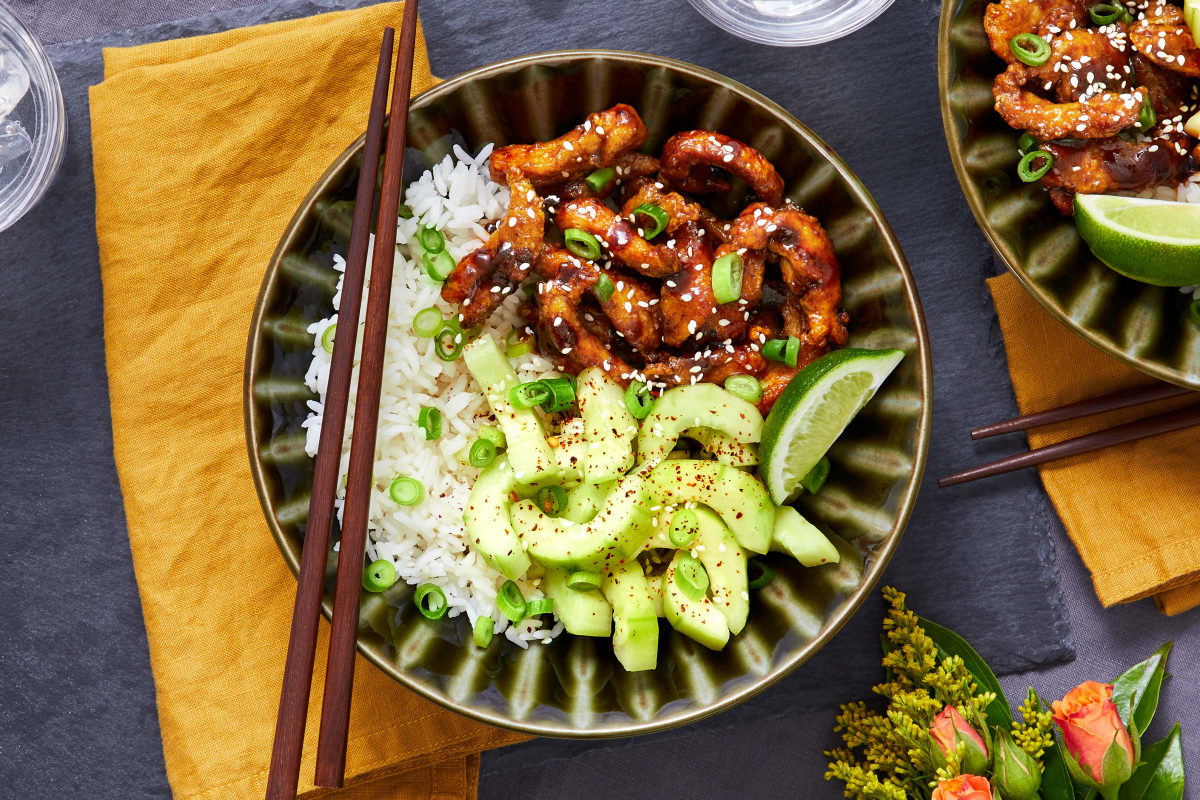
[77, 706]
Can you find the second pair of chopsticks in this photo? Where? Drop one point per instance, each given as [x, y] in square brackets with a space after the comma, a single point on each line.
[297, 676]
[1119, 434]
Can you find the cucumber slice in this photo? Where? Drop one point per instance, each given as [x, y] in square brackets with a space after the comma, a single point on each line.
[737, 496]
[725, 563]
[655, 584]
[529, 453]
[701, 405]
[487, 520]
[570, 450]
[635, 623]
[697, 619]
[802, 540]
[581, 613]
[723, 447]
[585, 501]
[617, 532]
[609, 426]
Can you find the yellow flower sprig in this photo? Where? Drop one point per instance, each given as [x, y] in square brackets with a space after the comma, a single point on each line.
[888, 756]
[1035, 732]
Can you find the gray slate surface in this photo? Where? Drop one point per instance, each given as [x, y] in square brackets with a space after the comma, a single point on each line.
[77, 706]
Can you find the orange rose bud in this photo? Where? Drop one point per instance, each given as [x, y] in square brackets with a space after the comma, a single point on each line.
[963, 787]
[1094, 735]
[949, 729]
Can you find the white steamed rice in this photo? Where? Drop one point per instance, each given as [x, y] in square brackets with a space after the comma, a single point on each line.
[427, 542]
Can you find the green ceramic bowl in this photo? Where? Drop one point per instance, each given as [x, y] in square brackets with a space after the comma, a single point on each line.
[574, 687]
[1145, 326]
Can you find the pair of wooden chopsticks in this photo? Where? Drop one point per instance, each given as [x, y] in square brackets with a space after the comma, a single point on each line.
[339, 677]
[1119, 434]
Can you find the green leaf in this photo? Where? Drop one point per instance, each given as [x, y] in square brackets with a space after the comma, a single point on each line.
[1140, 685]
[1160, 776]
[1056, 781]
[950, 643]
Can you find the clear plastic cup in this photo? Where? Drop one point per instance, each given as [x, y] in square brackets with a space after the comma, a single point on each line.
[790, 23]
[33, 120]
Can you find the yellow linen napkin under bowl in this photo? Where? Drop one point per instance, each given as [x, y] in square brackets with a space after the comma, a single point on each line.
[203, 148]
[1129, 509]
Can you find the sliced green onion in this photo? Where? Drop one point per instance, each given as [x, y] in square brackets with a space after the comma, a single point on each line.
[1105, 13]
[684, 527]
[727, 278]
[511, 602]
[482, 453]
[1147, 119]
[655, 213]
[449, 343]
[746, 387]
[493, 435]
[438, 265]
[603, 289]
[485, 629]
[539, 606]
[816, 477]
[551, 499]
[431, 239]
[429, 419]
[406, 491]
[1025, 170]
[428, 322]
[528, 395]
[379, 575]
[581, 243]
[791, 351]
[638, 400]
[1026, 143]
[562, 394]
[430, 601]
[691, 577]
[599, 179]
[584, 581]
[1126, 17]
[759, 573]
[1029, 48]
[327, 338]
[1194, 311]
[773, 349]
[404, 211]
[517, 343]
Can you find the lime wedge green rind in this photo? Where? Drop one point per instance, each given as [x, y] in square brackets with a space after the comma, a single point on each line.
[1153, 241]
[814, 409]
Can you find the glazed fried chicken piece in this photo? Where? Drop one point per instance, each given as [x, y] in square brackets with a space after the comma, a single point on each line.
[809, 266]
[1095, 117]
[629, 167]
[1171, 93]
[1102, 166]
[679, 209]
[1162, 36]
[695, 160]
[713, 364]
[1084, 62]
[1008, 18]
[486, 276]
[687, 296]
[619, 236]
[602, 139]
[567, 338]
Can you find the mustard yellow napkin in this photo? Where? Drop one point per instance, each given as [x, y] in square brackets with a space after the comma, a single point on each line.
[1131, 509]
[203, 148]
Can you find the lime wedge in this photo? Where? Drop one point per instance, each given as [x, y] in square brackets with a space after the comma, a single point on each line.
[1153, 241]
[813, 411]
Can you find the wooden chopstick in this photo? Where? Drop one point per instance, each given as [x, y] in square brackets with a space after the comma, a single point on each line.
[339, 676]
[1129, 432]
[302, 642]
[1085, 408]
